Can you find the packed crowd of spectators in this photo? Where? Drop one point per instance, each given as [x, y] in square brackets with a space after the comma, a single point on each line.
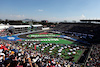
[87, 32]
[5, 32]
[78, 27]
[2, 33]
[94, 60]
[16, 54]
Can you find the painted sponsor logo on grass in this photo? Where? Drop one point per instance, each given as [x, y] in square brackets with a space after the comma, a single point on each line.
[11, 38]
[42, 40]
[43, 35]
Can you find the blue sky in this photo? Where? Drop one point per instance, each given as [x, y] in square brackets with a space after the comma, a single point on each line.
[52, 10]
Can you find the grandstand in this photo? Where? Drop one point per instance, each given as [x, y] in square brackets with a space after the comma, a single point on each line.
[86, 31]
[66, 44]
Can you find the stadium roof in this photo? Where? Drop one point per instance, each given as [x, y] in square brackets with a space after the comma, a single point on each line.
[37, 25]
[2, 26]
[19, 26]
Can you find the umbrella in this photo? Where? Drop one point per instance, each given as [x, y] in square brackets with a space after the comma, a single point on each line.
[57, 45]
[50, 48]
[31, 44]
[42, 49]
[69, 53]
[50, 43]
[74, 48]
[62, 47]
[50, 51]
[39, 44]
[71, 49]
[46, 46]
[59, 50]
[59, 53]
[3, 47]
[23, 44]
[77, 48]
[6, 49]
[65, 47]
[68, 46]
[74, 52]
[53, 47]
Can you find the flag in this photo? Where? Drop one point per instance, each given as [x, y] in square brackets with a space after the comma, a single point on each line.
[34, 47]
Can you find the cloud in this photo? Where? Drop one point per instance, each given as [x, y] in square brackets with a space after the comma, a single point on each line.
[69, 19]
[58, 19]
[40, 10]
[39, 18]
[83, 17]
[16, 16]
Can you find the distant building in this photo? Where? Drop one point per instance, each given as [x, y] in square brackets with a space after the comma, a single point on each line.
[26, 28]
[90, 20]
[20, 28]
[13, 22]
[44, 21]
